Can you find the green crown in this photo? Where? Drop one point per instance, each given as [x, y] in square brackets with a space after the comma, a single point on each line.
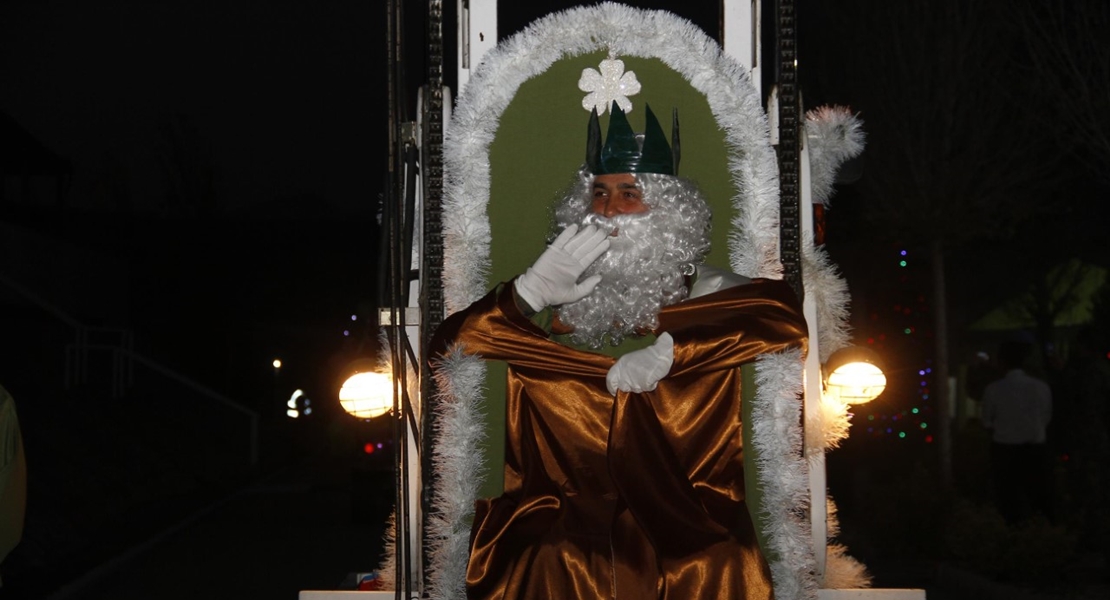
[626, 152]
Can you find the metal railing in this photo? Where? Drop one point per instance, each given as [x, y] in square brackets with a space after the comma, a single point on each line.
[118, 344]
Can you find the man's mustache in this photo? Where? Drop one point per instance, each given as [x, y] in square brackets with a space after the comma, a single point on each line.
[614, 223]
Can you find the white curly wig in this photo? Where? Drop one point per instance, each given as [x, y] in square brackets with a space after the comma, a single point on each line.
[644, 269]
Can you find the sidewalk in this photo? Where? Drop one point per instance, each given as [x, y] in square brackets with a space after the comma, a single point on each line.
[945, 581]
[957, 584]
[313, 524]
[306, 527]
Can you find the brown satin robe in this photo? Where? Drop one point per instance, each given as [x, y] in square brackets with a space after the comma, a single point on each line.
[633, 497]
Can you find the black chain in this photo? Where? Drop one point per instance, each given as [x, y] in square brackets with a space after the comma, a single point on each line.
[431, 271]
[789, 113]
[431, 285]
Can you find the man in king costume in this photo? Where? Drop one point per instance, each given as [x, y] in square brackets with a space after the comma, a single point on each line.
[624, 458]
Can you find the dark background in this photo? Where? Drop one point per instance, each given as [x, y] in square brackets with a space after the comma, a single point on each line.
[206, 177]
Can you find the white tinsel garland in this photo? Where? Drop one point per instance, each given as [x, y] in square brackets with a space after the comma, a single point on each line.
[783, 476]
[623, 31]
[834, 135]
[753, 251]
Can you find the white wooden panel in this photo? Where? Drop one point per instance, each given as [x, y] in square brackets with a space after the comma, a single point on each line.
[742, 31]
[477, 34]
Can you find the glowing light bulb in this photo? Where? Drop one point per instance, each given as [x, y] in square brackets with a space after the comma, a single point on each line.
[367, 394]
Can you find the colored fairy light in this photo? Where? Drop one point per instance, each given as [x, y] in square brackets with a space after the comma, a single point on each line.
[902, 434]
[924, 425]
[901, 263]
[921, 372]
[924, 396]
[915, 411]
[903, 253]
[354, 317]
[928, 439]
[346, 333]
[906, 331]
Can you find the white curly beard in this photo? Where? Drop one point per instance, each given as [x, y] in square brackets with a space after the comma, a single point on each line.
[644, 268]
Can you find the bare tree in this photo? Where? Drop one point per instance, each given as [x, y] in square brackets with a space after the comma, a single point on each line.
[184, 159]
[1061, 292]
[1068, 57]
[946, 163]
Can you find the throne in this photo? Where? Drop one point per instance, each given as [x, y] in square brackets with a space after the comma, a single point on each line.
[512, 140]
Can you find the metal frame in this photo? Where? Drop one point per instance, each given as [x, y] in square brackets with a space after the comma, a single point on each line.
[477, 34]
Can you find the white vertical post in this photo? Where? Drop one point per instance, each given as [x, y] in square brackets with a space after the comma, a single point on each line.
[412, 513]
[742, 31]
[814, 438]
[742, 40]
[477, 34]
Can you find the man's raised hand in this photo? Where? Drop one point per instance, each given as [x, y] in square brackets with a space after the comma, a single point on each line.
[553, 279]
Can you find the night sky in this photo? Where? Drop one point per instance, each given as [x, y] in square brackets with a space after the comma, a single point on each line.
[275, 114]
[283, 94]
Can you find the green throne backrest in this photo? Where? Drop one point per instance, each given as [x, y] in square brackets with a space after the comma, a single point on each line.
[541, 143]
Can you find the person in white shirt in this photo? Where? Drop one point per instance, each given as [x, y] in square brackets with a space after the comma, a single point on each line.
[1017, 409]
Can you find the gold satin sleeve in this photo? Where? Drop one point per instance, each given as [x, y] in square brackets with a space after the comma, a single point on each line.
[726, 329]
[495, 329]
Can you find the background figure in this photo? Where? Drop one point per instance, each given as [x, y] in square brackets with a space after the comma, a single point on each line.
[1017, 409]
[13, 477]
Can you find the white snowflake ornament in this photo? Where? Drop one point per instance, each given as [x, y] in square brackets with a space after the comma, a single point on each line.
[609, 85]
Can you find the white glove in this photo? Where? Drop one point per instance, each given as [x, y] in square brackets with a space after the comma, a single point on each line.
[553, 280]
[640, 370]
